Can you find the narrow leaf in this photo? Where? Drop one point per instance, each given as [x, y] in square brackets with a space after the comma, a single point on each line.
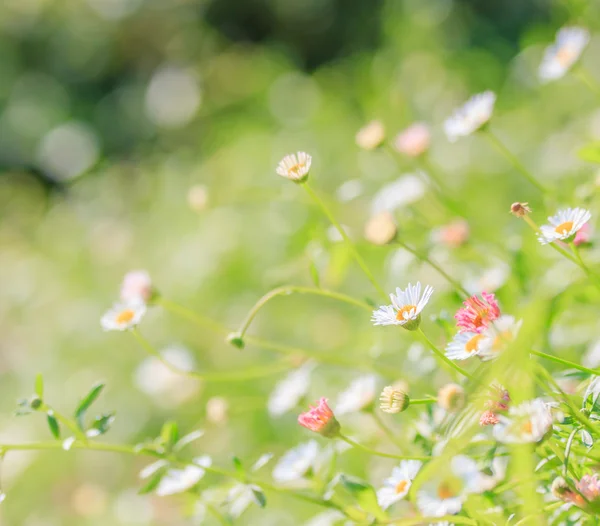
[239, 467]
[100, 425]
[314, 274]
[152, 483]
[53, 425]
[39, 386]
[259, 496]
[169, 434]
[365, 496]
[85, 404]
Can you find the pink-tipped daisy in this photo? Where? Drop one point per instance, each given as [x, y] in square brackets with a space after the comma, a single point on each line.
[405, 309]
[320, 419]
[295, 167]
[477, 314]
[136, 286]
[564, 225]
[566, 50]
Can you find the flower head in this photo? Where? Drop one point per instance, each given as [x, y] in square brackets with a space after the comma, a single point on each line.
[414, 140]
[370, 136]
[498, 336]
[471, 116]
[405, 309]
[564, 225]
[180, 480]
[296, 462]
[295, 167]
[451, 397]
[396, 487]
[566, 50]
[123, 316]
[393, 400]
[136, 286]
[320, 419]
[359, 395]
[488, 418]
[464, 345]
[520, 209]
[477, 313]
[527, 422]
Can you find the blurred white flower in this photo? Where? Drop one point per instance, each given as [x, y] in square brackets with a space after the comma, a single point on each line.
[414, 140]
[403, 191]
[295, 167]
[464, 345]
[123, 316]
[563, 53]
[349, 190]
[197, 197]
[296, 462]
[289, 391]
[498, 336]
[563, 225]
[327, 518]
[396, 487]
[370, 136]
[405, 309]
[381, 228]
[239, 498]
[527, 422]
[471, 116]
[180, 480]
[489, 280]
[217, 408]
[359, 395]
[136, 286]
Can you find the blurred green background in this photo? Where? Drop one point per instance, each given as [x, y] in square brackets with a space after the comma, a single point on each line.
[145, 133]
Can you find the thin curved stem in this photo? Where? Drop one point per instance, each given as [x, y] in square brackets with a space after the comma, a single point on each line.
[442, 356]
[379, 453]
[383, 426]
[561, 361]
[499, 145]
[289, 289]
[357, 257]
[459, 288]
[191, 315]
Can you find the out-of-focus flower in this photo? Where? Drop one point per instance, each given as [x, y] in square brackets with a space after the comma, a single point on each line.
[240, 497]
[296, 462]
[499, 336]
[520, 209]
[471, 116]
[451, 397]
[327, 518]
[405, 309]
[396, 487]
[289, 391]
[414, 140]
[295, 167]
[527, 422]
[360, 395]
[197, 197]
[370, 136]
[403, 191]
[464, 345]
[564, 225]
[217, 408]
[123, 316]
[381, 228]
[488, 418]
[490, 279]
[180, 480]
[136, 286]
[320, 419]
[589, 487]
[454, 234]
[566, 50]
[584, 235]
[498, 402]
[393, 400]
[477, 314]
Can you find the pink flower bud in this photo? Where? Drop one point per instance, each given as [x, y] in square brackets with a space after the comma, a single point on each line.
[414, 140]
[477, 313]
[583, 235]
[320, 419]
[136, 286]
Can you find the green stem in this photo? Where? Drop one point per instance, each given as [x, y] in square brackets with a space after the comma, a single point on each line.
[67, 422]
[584, 76]
[459, 288]
[383, 426]
[418, 401]
[561, 361]
[191, 315]
[499, 145]
[379, 453]
[289, 289]
[442, 356]
[347, 240]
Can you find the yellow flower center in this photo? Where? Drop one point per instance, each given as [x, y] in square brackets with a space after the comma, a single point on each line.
[564, 228]
[527, 427]
[565, 56]
[401, 486]
[445, 491]
[501, 339]
[406, 309]
[125, 316]
[296, 169]
[473, 343]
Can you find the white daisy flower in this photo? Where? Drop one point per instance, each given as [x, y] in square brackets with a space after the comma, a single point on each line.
[446, 495]
[405, 309]
[527, 422]
[360, 394]
[371, 135]
[288, 393]
[240, 497]
[498, 336]
[403, 191]
[123, 316]
[396, 487]
[563, 53]
[471, 116]
[464, 345]
[296, 462]
[136, 286]
[295, 167]
[180, 480]
[563, 225]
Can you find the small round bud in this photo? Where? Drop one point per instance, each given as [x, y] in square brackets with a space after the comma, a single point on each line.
[519, 209]
[35, 403]
[235, 339]
[560, 488]
[488, 418]
[393, 400]
[370, 136]
[197, 197]
[381, 229]
[451, 397]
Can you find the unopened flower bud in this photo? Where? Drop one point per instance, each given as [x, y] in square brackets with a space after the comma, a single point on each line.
[488, 418]
[35, 403]
[560, 489]
[235, 339]
[381, 228]
[295, 167]
[320, 419]
[371, 136]
[393, 400]
[520, 209]
[414, 140]
[451, 397]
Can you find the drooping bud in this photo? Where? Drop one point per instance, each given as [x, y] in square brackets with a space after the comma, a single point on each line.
[393, 400]
[520, 209]
[320, 419]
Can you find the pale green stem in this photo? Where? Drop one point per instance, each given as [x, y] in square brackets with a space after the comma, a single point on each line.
[240, 375]
[459, 288]
[379, 453]
[67, 422]
[584, 76]
[383, 426]
[289, 289]
[442, 356]
[574, 365]
[499, 145]
[419, 401]
[191, 315]
[358, 258]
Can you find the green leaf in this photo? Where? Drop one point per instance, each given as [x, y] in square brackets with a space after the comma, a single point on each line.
[259, 496]
[39, 386]
[169, 434]
[100, 425]
[239, 467]
[53, 425]
[85, 404]
[365, 496]
[314, 274]
[152, 483]
[590, 152]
